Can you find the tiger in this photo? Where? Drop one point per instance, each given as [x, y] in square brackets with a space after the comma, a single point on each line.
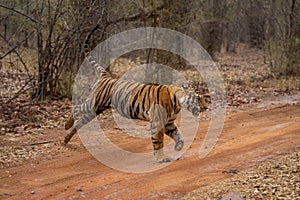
[158, 104]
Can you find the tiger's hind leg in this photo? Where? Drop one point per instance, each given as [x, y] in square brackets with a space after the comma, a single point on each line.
[72, 117]
[69, 122]
[70, 135]
[77, 125]
[172, 131]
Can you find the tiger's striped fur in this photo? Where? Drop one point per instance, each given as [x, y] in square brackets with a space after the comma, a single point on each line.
[159, 104]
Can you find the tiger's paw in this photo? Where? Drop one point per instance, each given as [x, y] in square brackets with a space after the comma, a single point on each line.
[66, 140]
[179, 145]
[161, 157]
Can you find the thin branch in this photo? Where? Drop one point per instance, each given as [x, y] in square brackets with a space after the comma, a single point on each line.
[13, 48]
[9, 51]
[142, 15]
[21, 91]
[18, 55]
[20, 13]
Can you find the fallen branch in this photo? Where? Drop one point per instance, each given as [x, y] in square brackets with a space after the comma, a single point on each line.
[43, 142]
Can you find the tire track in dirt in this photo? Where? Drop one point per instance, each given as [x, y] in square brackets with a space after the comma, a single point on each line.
[247, 138]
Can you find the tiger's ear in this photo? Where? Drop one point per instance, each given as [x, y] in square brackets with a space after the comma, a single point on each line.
[185, 86]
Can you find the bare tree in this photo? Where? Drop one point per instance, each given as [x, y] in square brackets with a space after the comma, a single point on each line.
[62, 32]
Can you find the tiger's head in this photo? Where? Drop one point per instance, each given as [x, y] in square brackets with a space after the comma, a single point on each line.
[194, 102]
[190, 99]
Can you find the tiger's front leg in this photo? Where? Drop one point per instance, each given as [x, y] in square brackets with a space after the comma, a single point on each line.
[172, 131]
[158, 144]
[176, 136]
[157, 128]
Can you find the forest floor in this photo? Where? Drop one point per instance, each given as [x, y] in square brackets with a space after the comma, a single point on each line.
[257, 155]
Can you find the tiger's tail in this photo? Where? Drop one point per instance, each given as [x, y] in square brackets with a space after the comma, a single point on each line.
[99, 70]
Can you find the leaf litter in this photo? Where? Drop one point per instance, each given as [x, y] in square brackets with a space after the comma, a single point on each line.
[277, 178]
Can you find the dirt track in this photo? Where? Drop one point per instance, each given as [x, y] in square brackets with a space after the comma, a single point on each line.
[247, 138]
